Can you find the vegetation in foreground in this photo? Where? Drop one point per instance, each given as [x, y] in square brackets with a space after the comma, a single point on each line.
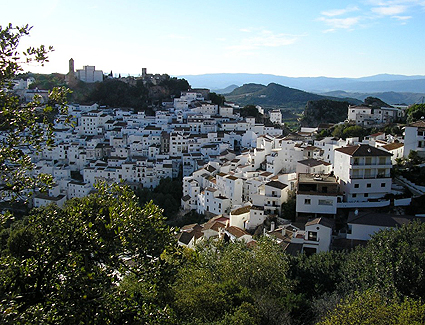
[105, 259]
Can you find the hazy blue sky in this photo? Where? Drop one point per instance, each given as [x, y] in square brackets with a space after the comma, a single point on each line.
[291, 38]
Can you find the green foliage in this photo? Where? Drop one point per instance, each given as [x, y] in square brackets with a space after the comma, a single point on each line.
[324, 111]
[222, 281]
[317, 274]
[375, 102]
[393, 263]
[166, 195]
[63, 266]
[348, 131]
[25, 127]
[413, 158]
[46, 81]
[289, 207]
[116, 93]
[250, 110]
[415, 112]
[217, 99]
[175, 86]
[274, 95]
[392, 129]
[370, 308]
[187, 219]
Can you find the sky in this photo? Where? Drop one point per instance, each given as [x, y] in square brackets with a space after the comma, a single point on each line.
[331, 38]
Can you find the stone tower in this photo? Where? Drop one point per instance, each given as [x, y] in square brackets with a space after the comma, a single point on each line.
[70, 76]
[71, 66]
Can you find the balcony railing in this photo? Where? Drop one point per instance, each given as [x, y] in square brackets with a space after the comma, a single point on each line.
[373, 163]
[370, 176]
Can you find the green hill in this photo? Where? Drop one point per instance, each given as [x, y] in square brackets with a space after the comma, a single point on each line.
[324, 111]
[275, 95]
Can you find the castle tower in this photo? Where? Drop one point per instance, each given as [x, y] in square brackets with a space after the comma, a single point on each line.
[70, 77]
[71, 66]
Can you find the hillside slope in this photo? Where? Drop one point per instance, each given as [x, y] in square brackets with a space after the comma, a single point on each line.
[275, 95]
[324, 111]
[391, 97]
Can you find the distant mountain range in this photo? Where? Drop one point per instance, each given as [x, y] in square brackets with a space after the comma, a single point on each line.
[381, 84]
[275, 95]
[390, 97]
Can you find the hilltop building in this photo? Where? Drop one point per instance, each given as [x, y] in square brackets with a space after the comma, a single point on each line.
[88, 74]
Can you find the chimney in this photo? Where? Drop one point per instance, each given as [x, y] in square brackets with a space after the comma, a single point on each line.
[272, 226]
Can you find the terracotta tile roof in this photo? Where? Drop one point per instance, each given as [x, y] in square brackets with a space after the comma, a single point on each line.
[363, 150]
[236, 231]
[372, 218]
[313, 162]
[241, 210]
[393, 146]
[418, 124]
[321, 221]
[215, 226]
[266, 174]
[276, 184]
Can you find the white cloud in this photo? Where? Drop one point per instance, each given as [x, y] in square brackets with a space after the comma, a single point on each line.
[401, 10]
[389, 10]
[339, 12]
[263, 39]
[340, 23]
[402, 18]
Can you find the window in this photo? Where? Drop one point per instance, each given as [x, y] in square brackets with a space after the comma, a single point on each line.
[325, 202]
[366, 195]
[307, 201]
[312, 235]
[382, 184]
[354, 195]
[356, 185]
[368, 185]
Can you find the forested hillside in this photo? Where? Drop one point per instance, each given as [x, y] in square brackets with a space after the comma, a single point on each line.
[324, 111]
[114, 92]
[275, 95]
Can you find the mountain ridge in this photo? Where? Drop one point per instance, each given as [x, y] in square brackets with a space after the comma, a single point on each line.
[368, 84]
[276, 95]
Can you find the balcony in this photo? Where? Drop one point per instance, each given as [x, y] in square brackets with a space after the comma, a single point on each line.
[371, 163]
[377, 204]
[371, 176]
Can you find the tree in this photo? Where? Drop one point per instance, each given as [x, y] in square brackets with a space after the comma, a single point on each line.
[392, 263]
[223, 280]
[324, 111]
[251, 111]
[372, 308]
[317, 274]
[415, 112]
[101, 259]
[346, 131]
[375, 102]
[217, 99]
[289, 207]
[25, 127]
[414, 158]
